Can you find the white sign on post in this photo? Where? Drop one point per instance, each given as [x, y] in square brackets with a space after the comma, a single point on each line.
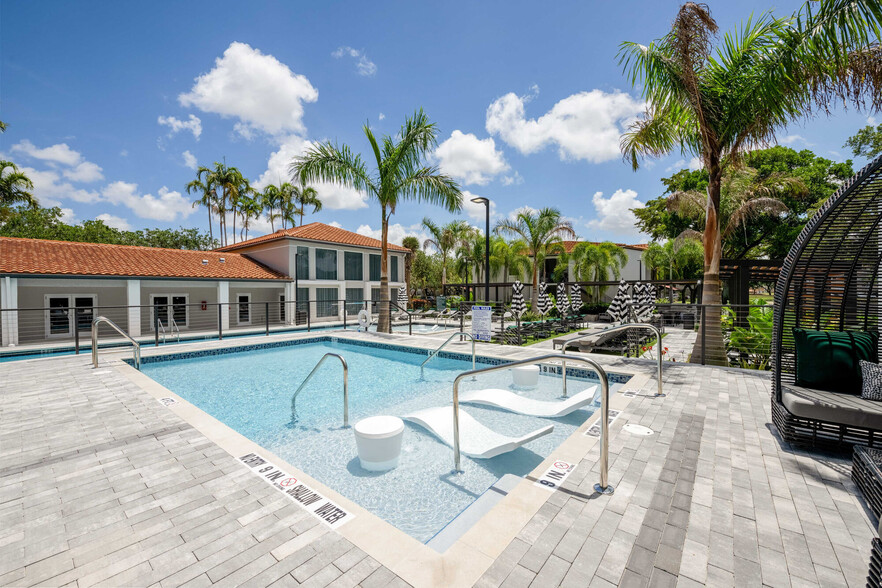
[481, 324]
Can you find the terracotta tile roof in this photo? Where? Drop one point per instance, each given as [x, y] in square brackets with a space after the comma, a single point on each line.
[40, 256]
[317, 232]
[570, 245]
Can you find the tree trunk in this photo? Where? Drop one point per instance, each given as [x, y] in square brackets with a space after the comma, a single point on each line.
[710, 333]
[408, 263]
[210, 233]
[534, 294]
[383, 323]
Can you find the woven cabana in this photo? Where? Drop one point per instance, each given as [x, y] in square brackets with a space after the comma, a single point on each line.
[830, 281]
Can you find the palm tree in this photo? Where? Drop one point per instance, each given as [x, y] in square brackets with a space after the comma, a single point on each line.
[303, 196]
[470, 255]
[230, 182]
[15, 186]
[2, 127]
[400, 175]
[250, 207]
[412, 243]
[445, 239]
[771, 72]
[208, 199]
[240, 191]
[271, 198]
[542, 231]
[595, 262]
[512, 257]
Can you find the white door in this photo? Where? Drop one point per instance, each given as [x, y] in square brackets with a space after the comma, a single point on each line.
[61, 309]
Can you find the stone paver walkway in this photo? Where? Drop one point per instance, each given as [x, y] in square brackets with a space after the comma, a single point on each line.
[101, 485]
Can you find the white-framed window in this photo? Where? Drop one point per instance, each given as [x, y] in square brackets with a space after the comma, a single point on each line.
[62, 309]
[168, 307]
[243, 308]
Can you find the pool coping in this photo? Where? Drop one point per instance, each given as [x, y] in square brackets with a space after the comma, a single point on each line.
[415, 562]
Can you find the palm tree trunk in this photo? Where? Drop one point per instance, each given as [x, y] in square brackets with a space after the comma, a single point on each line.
[210, 234]
[534, 294]
[383, 323]
[710, 331]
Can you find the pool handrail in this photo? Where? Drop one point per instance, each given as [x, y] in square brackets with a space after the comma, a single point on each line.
[622, 327]
[345, 387]
[443, 345]
[136, 347]
[603, 487]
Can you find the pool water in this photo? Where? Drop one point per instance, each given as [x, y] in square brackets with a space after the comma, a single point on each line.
[251, 392]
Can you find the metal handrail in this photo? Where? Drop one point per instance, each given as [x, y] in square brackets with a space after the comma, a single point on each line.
[623, 327]
[603, 487]
[174, 328]
[345, 387]
[136, 347]
[449, 339]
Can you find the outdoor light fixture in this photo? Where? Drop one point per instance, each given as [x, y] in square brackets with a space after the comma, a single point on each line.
[486, 203]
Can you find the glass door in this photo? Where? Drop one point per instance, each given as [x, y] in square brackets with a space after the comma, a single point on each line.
[83, 306]
[58, 321]
[244, 308]
[160, 312]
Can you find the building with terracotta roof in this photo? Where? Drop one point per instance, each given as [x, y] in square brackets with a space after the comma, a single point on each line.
[54, 285]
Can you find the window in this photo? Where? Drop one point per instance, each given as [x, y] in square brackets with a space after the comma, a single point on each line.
[325, 301]
[282, 307]
[375, 298]
[64, 308]
[302, 305]
[302, 267]
[352, 266]
[243, 308]
[394, 272]
[325, 264]
[168, 307]
[375, 267]
[354, 300]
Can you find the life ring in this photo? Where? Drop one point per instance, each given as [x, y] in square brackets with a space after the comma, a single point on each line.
[364, 320]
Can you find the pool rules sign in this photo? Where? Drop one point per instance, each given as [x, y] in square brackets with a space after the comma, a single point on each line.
[481, 324]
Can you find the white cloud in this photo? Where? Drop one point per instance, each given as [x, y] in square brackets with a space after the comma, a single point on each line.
[69, 216]
[259, 90]
[176, 125]
[115, 222]
[333, 196]
[469, 159]
[59, 153]
[363, 65]
[585, 126]
[871, 120]
[335, 224]
[189, 159]
[397, 232]
[614, 213]
[382, 116]
[695, 164]
[475, 210]
[513, 215]
[514, 179]
[165, 206]
[793, 139]
[50, 189]
[84, 172]
[124, 153]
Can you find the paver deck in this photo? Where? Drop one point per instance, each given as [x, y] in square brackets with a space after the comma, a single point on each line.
[102, 485]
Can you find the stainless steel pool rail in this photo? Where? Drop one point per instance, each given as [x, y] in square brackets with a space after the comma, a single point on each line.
[345, 387]
[136, 347]
[443, 345]
[623, 327]
[603, 487]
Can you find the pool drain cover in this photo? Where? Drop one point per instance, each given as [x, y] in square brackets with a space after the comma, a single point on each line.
[637, 429]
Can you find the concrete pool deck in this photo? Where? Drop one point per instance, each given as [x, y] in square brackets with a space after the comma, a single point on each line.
[101, 484]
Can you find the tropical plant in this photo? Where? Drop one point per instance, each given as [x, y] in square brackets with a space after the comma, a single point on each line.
[250, 208]
[227, 183]
[594, 262]
[445, 239]
[867, 142]
[400, 174]
[764, 76]
[412, 243]
[542, 231]
[754, 342]
[470, 256]
[15, 188]
[676, 259]
[303, 196]
[208, 199]
[512, 258]
[270, 200]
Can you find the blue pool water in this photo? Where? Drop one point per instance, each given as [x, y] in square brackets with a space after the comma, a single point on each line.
[251, 392]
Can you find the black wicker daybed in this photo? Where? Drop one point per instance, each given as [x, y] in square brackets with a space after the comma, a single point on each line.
[830, 282]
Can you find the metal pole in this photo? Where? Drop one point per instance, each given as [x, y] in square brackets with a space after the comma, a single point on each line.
[344, 315]
[267, 318]
[409, 324]
[155, 328]
[220, 322]
[308, 317]
[487, 255]
[76, 331]
[703, 335]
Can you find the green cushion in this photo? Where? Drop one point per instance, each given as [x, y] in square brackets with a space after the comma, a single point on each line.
[830, 360]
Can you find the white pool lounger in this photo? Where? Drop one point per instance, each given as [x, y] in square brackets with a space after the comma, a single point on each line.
[475, 440]
[539, 408]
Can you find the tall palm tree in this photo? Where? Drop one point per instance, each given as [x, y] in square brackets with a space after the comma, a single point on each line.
[15, 186]
[240, 192]
[227, 182]
[715, 105]
[470, 256]
[303, 196]
[400, 174]
[412, 243]
[270, 198]
[595, 262]
[512, 257]
[445, 239]
[207, 199]
[542, 231]
[250, 208]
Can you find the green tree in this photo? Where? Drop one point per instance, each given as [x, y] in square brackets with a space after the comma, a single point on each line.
[511, 257]
[228, 183]
[208, 198]
[412, 243]
[270, 199]
[867, 142]
[445, 239]
[762, 77]
[470, 256]
[676, 259]
[593, 262]
[250, 208]
[426, 272]
[304, 196]
[400, 174]
[542, 231]
[15, 188]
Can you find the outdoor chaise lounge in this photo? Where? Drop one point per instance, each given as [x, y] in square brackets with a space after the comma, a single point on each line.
[827, 307]
[512, 402]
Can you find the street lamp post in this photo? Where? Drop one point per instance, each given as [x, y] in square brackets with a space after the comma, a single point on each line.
[486, 203]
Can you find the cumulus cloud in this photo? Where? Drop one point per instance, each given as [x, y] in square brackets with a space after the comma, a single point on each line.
[513, 215]
[514, 179]
[69, 216]
[115, 222]
[59, 153]
[189, 159]
[50, 189]
[363, 65]
[469, 159]
[176, 125]
[257, 89]
[61, 157]
[693, 164]
[397, 232]
[614, 213]
[84, 172]
[583, 126]
[333, 196]
[476, 210]
[167, 205]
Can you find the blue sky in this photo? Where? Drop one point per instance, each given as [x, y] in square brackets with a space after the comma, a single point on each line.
[111, 105]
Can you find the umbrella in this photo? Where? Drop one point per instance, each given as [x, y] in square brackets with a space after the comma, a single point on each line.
[563, 303]
[544, 303]
[518, 306]
[576, 297]
[644, 295]
[402, 297]
[620, 305]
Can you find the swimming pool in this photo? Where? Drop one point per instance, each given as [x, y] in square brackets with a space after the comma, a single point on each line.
[250, 391]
